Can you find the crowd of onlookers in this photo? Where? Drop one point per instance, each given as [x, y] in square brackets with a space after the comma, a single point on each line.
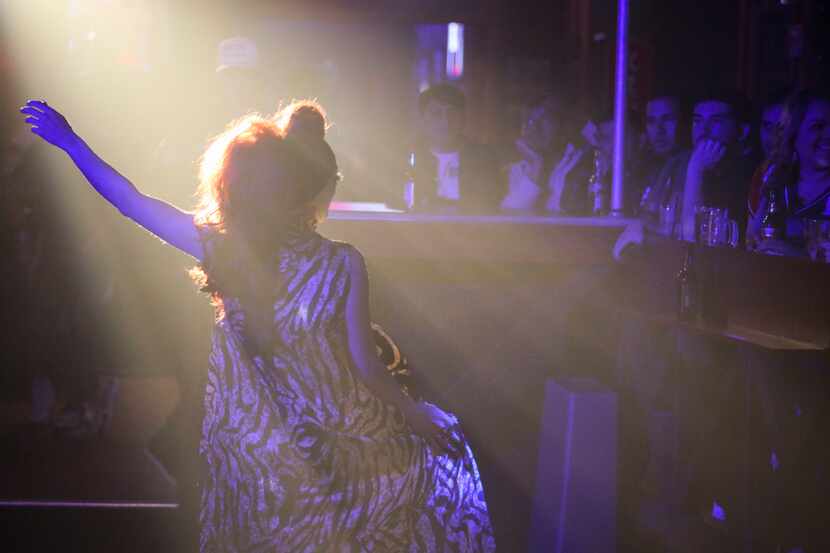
[769, 170]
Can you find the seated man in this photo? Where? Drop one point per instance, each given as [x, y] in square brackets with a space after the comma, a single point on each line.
[662, 142]
[715, 173]
[720, 165]
[452, 174]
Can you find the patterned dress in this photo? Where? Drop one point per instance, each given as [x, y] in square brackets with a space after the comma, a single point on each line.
[301, 457]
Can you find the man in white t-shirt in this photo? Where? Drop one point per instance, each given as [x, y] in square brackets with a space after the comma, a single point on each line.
[452, 174]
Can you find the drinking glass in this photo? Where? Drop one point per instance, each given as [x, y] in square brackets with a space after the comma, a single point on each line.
[713, 227]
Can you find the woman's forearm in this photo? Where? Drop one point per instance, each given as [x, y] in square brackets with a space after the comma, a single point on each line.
[174, 226]
[375, 376]
[109, 183]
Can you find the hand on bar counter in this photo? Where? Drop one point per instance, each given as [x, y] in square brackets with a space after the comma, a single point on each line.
[632, 235]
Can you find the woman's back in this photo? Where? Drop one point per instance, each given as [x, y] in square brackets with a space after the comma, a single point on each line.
[310, 293]
[301, 455]
[298, 343]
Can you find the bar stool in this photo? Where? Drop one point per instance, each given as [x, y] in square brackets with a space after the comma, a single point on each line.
[575, 501]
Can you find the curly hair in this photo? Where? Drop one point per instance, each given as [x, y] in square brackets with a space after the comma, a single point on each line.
[261, 182]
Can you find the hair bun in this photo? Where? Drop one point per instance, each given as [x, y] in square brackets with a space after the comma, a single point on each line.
[306, 123]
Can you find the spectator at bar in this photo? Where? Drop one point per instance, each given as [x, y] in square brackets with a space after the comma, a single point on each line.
[771, 113]
[533, 155]
[452, 173]
[582, 169]
[720, 165]
[662, 141]
[769, 135]
[798, 171]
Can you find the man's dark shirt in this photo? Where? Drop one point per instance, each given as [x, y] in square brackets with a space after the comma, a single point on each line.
[646, 171]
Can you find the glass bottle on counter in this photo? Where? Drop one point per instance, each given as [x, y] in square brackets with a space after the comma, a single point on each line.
[688, 288]
[774, 220]
[409, 184]
[597, 191]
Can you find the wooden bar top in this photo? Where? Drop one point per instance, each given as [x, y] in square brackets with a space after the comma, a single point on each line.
[489, 239]
[771, 302]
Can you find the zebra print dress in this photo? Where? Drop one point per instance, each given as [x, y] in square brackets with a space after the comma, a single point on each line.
[301, 457]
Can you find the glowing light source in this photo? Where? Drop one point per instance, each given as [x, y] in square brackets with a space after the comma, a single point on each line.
[365, 207]
[455, 50]
[718, 512]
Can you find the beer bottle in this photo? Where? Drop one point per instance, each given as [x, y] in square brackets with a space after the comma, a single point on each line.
[688, 288]
[596, 187]
[774, 221]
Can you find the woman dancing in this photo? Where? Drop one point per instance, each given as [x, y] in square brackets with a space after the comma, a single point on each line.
[309, 445]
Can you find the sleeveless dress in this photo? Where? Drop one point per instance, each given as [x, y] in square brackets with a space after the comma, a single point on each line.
[299, 456]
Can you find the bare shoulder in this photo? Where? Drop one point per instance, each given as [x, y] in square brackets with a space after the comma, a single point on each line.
[354, 259]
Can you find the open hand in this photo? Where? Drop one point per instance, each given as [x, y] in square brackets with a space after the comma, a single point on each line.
[631, 236]
[590, 132]
[434, 426]
[533, 158]
[49, 124]
[556, 182]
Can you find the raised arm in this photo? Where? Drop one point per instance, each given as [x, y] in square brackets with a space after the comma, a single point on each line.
[162, 219]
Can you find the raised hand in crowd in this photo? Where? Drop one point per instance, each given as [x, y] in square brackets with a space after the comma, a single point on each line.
[706, 155]
[632, 236]
[533, 159]
[556, 182]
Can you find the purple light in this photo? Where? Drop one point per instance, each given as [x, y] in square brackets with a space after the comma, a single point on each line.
[619, 108]
[718, 513]
[363, 207]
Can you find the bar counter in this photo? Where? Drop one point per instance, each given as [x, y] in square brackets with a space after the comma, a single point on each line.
[497, 239]
[774, 302]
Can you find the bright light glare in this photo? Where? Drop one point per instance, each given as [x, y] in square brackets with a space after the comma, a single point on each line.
[455, 50]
